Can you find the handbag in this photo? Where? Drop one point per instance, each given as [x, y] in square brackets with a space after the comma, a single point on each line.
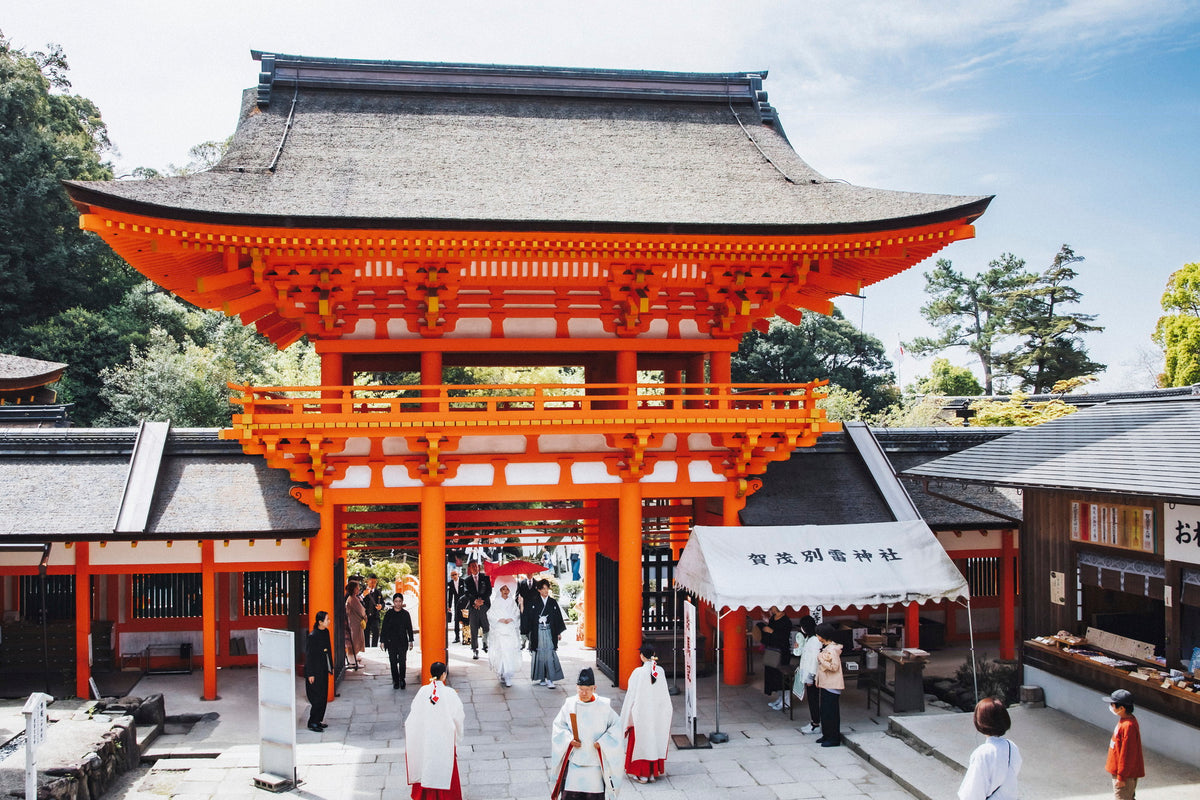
[772, 658]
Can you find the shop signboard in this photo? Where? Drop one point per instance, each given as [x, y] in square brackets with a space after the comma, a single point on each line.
[1181, 533]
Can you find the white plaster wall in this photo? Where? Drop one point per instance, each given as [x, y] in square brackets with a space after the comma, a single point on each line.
[475, 328]
[263, 550]
[473, 475]
[125, 554]
[475, 445]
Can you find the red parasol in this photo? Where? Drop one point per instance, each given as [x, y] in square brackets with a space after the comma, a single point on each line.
[517, 566]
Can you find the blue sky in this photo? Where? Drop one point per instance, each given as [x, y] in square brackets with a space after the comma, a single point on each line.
[1081, 116]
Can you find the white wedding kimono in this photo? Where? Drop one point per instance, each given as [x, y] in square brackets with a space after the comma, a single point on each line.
[647, 709]
[431, 733]
[504, 639]
[589, 770]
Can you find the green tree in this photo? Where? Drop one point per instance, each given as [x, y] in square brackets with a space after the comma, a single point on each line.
[1017, 411]
[1051, 348]
[47, 264]
[1178, 330]
[819, 348]
[948, 380]
[970, 312]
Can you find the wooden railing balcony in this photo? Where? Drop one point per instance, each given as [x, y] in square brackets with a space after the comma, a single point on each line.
[526, 408]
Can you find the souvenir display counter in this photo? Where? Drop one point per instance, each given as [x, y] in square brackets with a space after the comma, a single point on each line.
[1152, 684]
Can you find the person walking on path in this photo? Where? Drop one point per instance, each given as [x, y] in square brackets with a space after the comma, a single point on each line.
[396, 637]
[1124, 762]
[356, 623]
[804, 682]
[318, 668]
[372, 601]
[830, 683]
[454, 596]
[776, 637]
[994, 765]
[543, 623]
[505, 635]
[479, 600]
[646, 720]
[585, 745]
[431, 735]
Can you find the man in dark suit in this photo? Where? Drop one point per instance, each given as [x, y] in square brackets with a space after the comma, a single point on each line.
[396, 636]
[479, 599]
[372, 601]
[454, 600]
[527, 592]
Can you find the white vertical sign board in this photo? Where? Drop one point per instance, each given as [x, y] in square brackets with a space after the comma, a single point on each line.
[689, 669]
[35, 734]
[1181, 533]
[277, 703]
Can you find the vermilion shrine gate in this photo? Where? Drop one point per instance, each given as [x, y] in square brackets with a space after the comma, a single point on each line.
[410, 218]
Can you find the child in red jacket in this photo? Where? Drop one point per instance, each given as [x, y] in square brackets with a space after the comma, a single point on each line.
[1125, 749]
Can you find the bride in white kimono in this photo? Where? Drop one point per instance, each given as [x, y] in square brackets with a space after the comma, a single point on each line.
[504, 640]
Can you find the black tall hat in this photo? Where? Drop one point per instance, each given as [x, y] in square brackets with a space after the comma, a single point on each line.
[586, 677]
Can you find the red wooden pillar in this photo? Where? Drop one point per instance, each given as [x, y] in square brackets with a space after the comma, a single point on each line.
[629, 580]
[321, 591]
[912, 625]
[733, 626]
[591, 530]
[208, 612]
[1008, 597]
[433, 576]
[83, 620]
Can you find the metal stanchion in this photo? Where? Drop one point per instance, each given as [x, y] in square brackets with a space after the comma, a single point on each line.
[717, 737]
[673, 689]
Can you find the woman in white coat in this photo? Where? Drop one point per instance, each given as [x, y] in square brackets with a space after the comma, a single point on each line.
[431, 735]
[807, 646]
[504, 640]
[646, 720]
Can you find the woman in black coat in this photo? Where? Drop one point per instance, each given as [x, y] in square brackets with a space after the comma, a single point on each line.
[318, 666]
[776, 635]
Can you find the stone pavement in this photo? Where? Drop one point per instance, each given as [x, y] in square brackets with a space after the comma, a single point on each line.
[505, 752]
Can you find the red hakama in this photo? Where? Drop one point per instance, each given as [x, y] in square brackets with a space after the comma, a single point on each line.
[419, 792]
[642, 767]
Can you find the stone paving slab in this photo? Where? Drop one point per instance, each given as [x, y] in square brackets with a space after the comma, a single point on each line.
[505, 752]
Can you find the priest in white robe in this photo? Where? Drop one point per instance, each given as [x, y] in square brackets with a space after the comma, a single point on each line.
[504, 639]
[431, 735]
[586, 745]
[646, 720]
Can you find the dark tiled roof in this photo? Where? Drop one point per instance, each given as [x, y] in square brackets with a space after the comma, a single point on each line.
[829, 484]
[404, 145]
[67, 484]
[1147, 447]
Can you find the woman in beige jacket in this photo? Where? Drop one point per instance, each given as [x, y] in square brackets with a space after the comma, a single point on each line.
[830, 683]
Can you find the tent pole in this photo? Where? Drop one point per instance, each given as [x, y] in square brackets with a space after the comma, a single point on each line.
[717, 737]
[673, 689]
[971, 632]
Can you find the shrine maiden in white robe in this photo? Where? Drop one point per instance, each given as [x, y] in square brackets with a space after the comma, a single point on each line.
[431, 733]
[647, 709]
[504, 639]
[589, 770]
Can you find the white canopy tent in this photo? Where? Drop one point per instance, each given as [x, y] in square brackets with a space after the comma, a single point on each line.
[865, 564]
[830, 566]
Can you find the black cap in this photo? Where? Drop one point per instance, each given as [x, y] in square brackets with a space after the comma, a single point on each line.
[825, 630]
[1120, 697]
[586, 677]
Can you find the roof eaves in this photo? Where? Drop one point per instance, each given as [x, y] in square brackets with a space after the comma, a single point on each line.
[87, 194]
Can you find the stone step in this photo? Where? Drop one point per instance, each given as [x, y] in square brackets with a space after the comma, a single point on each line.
[921, 773]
